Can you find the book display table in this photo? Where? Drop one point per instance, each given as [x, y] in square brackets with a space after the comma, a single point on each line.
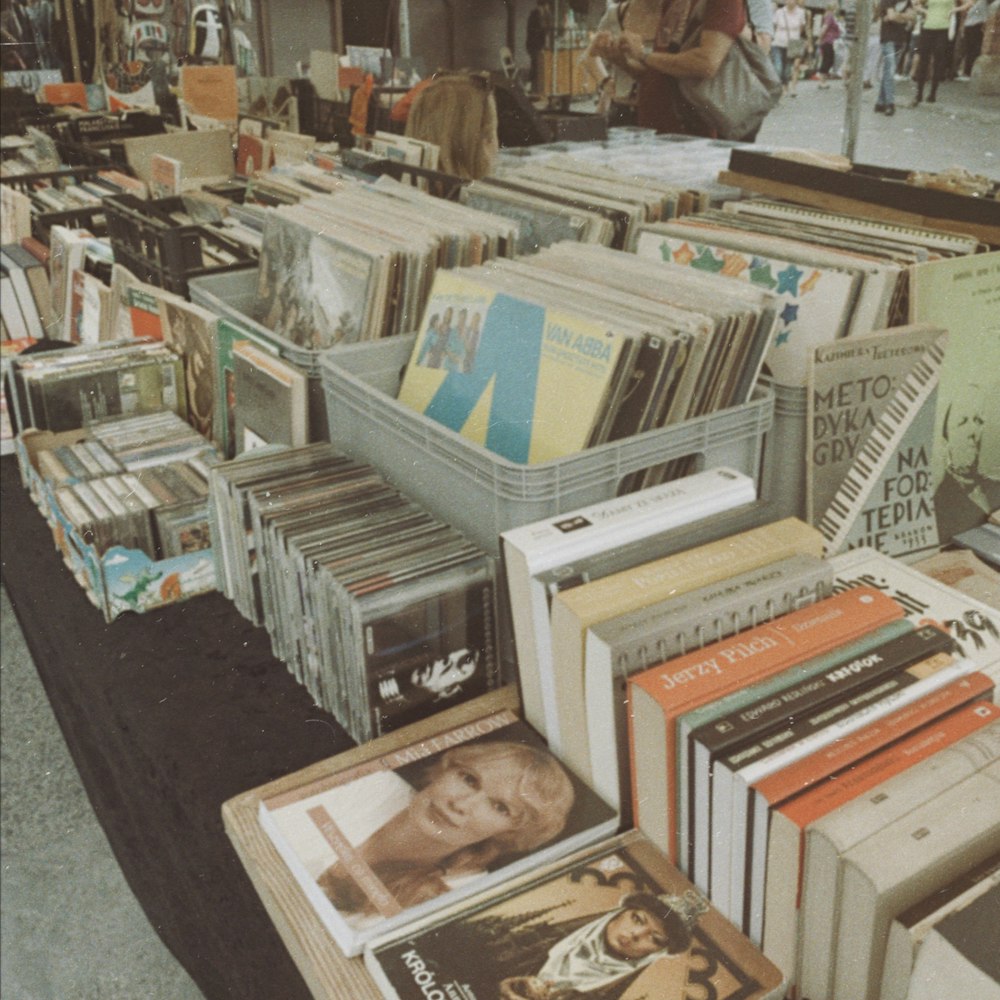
[168, 715]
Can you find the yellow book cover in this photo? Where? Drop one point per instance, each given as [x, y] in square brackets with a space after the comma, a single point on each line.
[524, 381]
[575, 610]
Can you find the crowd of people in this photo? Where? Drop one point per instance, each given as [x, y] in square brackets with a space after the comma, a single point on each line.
[644, 47]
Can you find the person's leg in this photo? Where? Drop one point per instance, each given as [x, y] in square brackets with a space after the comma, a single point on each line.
[923, 50]
[939, 55]
[887, 88]
[778, 62]
[973, 46]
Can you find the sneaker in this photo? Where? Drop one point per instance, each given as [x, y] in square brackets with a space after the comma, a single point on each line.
[915, 103]
[880, 107]
[890, 109]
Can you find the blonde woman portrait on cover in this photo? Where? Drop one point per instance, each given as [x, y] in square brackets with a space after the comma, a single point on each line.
[471, 807]
[458, 113]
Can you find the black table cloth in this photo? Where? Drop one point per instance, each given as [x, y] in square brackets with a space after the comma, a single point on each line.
[167, 715]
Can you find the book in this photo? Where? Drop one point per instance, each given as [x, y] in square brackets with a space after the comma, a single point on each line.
[617, 921]
[165, 175]
[966, 451]
[869, 439]
[575, 610]
[227, 335]
[856, 820]
[271, 398]
[534, 548]
[618, 648]
[707, 732]
[657, 696]
[526, 381]
[895, 867]
[911, 928]
[391, 840]
[858, 771]
[974, 625]
[959, 957]
[865, 688]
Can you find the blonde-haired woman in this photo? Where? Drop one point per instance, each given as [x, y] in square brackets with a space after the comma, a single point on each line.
[474, 805]
[458, 113]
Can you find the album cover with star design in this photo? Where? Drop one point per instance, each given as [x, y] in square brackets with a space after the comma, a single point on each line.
[815, 303]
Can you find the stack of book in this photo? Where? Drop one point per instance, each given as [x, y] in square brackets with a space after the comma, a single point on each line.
[770, 693]
[515, 356]
[384, 613]
[25, 294]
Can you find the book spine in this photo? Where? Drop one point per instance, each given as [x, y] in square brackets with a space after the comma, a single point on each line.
[841, 813]
[746, 728]
[700, 762]
[683, 683]
[733, 773]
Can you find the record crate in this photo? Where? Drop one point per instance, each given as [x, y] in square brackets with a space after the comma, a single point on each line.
[158, 250]
[230, 294]
[783, 471]
[119, 579]
[483, 494]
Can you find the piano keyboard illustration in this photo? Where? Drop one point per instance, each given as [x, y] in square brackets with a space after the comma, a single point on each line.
[885, 437]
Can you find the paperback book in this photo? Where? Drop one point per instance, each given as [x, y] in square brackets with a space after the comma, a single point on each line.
[387, 842]
[617, 922]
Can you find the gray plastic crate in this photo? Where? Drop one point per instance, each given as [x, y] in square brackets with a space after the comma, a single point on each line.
[484, 494]
[231, 294]
[783, 474]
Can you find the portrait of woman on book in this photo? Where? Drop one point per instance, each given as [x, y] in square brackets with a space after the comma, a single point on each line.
[611, 949]
[382, 842]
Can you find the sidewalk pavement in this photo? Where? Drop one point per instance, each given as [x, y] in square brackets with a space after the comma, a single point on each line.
[959, 129]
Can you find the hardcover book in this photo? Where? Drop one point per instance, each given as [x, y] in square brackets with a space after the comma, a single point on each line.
[617, 922]
[400, 836]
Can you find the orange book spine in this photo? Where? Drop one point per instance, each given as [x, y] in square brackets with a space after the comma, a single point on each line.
[847, 785]
[685, 682]
[808, 771]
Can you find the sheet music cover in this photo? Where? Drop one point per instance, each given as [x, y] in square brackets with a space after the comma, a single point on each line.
[871, 408]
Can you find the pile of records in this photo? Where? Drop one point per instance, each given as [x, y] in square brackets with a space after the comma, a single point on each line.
[153, 439]
[579, 345]
[358, 264]
[384, 613]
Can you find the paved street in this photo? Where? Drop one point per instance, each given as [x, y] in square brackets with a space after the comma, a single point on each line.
[959, 129]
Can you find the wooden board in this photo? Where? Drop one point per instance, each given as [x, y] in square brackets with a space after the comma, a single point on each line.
[328, 974]
[853, 206]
